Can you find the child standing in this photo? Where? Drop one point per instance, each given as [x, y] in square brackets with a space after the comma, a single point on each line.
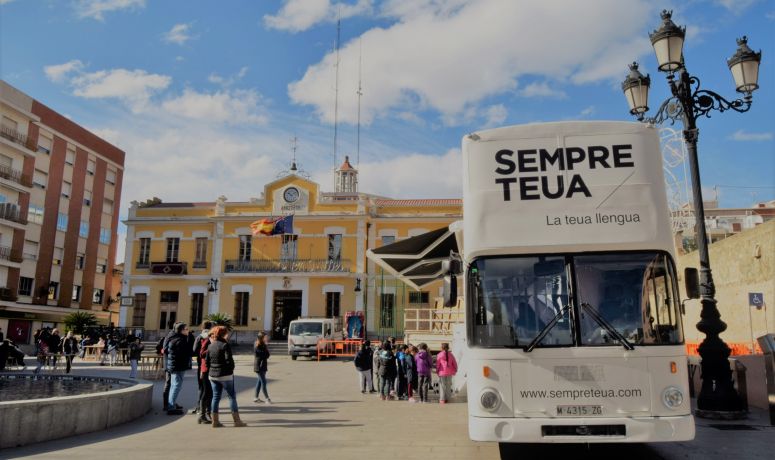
[411, 373]
[423, 364]
[446, 367]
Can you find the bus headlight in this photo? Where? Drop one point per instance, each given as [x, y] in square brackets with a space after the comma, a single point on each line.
[672, 397]
[489, 400]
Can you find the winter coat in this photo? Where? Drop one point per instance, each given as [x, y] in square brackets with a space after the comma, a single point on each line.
[202, 340]
[408, 366]
[204, 344]
[423, 363]
[260, 359]
[446, 365]
[70, 346]
[54, 343]
[219, 359]
[386, 366]
[135, 350]
[364, 359]
[177, 353]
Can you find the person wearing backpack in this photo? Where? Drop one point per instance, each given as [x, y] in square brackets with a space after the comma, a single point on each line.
[446, 368]
[386, 369]
[363, 362]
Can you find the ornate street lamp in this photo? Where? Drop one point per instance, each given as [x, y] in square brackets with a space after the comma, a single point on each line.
[688, 102]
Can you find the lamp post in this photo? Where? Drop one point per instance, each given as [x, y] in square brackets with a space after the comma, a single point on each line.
[688, 103]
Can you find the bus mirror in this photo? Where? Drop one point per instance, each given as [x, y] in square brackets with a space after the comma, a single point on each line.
[692, 283]
[550, 268]
[450, 291]
[451, 266]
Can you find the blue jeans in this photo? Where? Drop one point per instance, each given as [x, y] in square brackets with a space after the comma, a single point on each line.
[218, 391]
[261, 384]
[176, 383]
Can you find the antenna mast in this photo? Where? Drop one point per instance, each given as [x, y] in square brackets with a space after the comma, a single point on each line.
[336, 90]
[360, 93]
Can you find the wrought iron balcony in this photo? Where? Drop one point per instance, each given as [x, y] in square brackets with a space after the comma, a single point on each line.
[13, 135]
[287, 266]
[169, 268]
[12, 212]
[15, 176]
[7, 253]
[8, 294]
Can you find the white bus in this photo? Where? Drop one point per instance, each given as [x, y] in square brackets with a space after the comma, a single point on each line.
[573, 316]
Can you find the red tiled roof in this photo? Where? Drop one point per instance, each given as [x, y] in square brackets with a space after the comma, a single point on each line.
[346, 166]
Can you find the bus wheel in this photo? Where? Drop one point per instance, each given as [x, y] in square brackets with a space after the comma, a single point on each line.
[293, 357]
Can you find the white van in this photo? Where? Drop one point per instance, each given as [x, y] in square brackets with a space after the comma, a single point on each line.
[304, 333]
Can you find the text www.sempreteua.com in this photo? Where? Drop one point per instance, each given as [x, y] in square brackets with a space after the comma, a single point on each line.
[576, 394]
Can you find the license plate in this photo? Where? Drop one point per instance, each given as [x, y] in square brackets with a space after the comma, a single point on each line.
[304, 353]
[580, 411]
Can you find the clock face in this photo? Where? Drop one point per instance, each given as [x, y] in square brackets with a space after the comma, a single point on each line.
[291, 194]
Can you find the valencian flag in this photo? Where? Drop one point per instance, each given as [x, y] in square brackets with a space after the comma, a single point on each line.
[270, 227]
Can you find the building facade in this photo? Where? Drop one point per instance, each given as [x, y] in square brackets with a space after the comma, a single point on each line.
[187, 260]
[60, 191]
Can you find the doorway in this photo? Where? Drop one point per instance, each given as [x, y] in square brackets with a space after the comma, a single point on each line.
[285, 308]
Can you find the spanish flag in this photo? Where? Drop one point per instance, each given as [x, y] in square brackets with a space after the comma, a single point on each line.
[263, 227]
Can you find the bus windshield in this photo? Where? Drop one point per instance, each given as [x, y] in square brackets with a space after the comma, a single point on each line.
[621, 299]
[306, 329]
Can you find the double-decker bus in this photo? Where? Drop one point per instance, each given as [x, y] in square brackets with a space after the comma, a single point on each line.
[573, 315]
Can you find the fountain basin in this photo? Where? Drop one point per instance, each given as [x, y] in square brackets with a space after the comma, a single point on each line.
[105, 402]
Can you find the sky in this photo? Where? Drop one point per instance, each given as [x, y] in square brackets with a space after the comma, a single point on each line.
[204, 97]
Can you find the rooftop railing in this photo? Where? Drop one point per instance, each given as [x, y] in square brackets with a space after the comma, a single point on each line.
[287, 265]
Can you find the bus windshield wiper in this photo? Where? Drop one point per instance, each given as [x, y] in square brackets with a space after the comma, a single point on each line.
[547, 328]
[611, 330]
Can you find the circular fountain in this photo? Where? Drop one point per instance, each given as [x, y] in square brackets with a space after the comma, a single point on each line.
[36, 408]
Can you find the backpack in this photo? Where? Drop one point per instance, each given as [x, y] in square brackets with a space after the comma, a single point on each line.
[160, 345]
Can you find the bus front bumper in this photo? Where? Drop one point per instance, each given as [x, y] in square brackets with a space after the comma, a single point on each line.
[581, 430]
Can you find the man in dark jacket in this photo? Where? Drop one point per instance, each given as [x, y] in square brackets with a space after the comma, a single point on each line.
[363, 363]
[202, 341]
[177, 360]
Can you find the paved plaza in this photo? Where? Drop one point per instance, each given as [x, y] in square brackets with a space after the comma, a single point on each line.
[319, 413]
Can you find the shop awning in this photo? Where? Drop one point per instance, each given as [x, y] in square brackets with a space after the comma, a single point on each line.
[417, 260]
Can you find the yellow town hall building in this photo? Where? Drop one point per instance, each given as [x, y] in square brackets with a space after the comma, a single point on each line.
[187, 260]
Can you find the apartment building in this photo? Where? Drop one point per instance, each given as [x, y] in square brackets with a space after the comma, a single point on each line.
[60, 191]
[186, 260]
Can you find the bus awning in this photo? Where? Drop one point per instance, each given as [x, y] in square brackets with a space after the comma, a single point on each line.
[417, 260]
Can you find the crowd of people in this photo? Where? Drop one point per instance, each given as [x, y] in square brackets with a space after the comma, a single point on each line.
[214, 359]
[404, 372]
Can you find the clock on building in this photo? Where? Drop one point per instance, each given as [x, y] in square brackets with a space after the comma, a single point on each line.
[291, 194]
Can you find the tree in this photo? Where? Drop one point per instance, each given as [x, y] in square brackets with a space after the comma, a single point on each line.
[221, 319]
[80, 321]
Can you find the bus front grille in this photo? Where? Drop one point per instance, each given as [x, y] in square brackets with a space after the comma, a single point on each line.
[583, 430]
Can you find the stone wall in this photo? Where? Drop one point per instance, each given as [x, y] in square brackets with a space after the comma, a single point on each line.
[740, 264]
[26, 422]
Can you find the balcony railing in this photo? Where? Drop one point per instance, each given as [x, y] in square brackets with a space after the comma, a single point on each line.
[15, 176]
[7, 253]
[169, 268]
[12, 212]
[286, 266]
[8, 294]
[13, 135]
[143, 265]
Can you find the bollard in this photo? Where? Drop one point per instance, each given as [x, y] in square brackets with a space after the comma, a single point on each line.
[767, 344]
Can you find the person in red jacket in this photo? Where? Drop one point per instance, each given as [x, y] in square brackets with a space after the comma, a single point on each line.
[446, 368]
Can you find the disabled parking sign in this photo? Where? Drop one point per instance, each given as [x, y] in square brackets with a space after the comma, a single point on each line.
[756, 299]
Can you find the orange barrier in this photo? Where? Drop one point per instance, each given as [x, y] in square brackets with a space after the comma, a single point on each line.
[736, 348]
[337, 348]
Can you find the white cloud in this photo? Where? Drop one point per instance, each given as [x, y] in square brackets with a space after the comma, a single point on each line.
[134, 87]
[741, 135]
[541, 89]
[236, 107]
[228, 81]
[58, 73]
[300, 15]
[411, 117]
[95, 9]
[588, 111]
[179, 34]
[3, 2]
[450, 55]
[736, 6]
[495, 115]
